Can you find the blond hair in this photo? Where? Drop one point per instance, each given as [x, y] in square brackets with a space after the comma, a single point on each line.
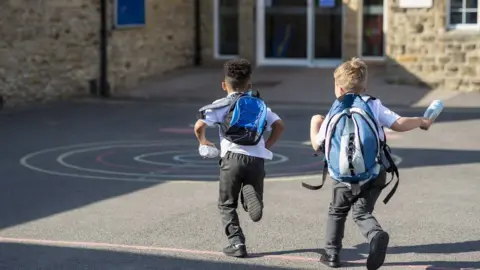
[351, 75]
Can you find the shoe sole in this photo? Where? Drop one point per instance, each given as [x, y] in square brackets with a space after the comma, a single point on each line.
[378, 251]
[254, 206]
[330, 264]
[237, 254]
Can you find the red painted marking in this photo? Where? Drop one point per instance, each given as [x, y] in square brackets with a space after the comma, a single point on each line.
[179, 250]
[177, 130]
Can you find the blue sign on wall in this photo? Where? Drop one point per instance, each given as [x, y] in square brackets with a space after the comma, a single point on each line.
[326, 3]
[129, 13]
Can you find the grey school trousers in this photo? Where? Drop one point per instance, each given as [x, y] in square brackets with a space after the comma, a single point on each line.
[361, 212]
[237, 170]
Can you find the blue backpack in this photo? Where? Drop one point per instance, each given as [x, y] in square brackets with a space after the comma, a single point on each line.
[246, 118]
[352, 143]
[353, 150]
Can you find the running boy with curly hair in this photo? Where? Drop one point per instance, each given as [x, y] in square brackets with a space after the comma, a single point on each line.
[242, 118]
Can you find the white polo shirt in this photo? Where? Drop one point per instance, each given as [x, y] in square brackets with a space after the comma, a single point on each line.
[383, 115]
[259, 150]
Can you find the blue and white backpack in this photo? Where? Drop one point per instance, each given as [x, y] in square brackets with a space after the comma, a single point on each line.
[353, 150]
[246, 118]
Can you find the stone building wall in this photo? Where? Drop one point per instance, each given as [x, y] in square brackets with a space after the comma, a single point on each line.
[421, 50]
[49, 49]
[165, 43]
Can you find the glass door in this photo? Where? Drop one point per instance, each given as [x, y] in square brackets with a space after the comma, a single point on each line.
[373, 38]
[282, 34]
[299, 32]
[327, 31]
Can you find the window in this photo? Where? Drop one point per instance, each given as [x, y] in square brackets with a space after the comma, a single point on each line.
[463, 14]
[226, 28]
[372, 28]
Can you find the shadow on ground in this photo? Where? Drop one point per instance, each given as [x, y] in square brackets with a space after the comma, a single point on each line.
[419, 157]
[355, 254]
[28, 256]
[24, 199]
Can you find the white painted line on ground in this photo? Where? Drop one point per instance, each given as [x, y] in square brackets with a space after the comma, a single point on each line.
[128, 177]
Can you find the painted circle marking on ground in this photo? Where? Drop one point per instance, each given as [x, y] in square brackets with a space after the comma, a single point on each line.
[195, 163]
[62, 157]
[146, 177]
[79, 148]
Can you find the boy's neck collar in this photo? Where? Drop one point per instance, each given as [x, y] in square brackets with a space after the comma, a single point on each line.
[236, 92]
[340, 98]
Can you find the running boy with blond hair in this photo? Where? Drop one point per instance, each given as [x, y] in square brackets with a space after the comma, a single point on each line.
[352, 138]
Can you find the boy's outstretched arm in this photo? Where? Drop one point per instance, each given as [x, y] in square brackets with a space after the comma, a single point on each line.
[408, 123]
[315, 124]
[200, 133]
[277, 129]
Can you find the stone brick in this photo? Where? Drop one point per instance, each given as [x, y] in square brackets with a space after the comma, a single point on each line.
[454, 47]
[451, 70]
[428, 59]
[452, 84]
[468, 71]
[457, 57]
[474, 60]
[444, 60]
[470, 47]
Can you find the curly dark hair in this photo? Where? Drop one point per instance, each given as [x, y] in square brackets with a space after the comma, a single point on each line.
[238, 73]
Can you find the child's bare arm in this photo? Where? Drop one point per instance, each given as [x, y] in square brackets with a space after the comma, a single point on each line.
[315, 125]
[408, 123]
[277, 129]
[200, 133]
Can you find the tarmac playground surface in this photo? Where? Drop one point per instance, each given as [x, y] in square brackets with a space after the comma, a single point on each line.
[119, 185]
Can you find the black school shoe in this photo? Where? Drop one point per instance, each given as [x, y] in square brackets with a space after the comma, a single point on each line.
[378, 250]
[238, 250]
[330, 260]
[251, 203]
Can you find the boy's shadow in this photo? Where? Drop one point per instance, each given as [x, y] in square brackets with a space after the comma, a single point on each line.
[350, 255]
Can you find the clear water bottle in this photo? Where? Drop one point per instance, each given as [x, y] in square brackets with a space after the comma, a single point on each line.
[207, 151]
[434, 110]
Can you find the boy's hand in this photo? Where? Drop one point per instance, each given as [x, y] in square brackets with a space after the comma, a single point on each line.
[426, 123]
[207, 142]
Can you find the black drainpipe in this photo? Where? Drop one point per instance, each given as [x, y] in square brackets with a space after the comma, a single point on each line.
[104, 88]
[198, 27]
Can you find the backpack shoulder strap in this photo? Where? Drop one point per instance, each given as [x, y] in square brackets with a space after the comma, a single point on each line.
[222, 103]
[367, 98]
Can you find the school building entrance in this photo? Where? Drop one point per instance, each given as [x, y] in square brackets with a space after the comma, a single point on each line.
[299, 32]
[312, 33]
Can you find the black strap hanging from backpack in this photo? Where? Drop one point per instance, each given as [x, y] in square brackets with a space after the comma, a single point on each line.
[324, 176]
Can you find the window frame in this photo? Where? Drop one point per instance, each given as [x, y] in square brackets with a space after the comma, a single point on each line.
[361, 30]
[216, 34]
[462, 26]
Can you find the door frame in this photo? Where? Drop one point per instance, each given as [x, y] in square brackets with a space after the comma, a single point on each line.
[361, 29]
[310, 60]
[216, 34]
